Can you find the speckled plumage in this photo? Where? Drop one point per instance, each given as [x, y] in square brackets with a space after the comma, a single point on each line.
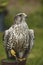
[17, 36]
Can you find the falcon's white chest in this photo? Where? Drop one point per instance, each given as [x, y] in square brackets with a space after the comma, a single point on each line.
[21, 35]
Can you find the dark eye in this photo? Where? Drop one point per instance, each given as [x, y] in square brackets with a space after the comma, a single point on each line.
[20, 15]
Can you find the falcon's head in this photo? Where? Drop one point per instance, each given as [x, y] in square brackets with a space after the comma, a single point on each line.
[20, 17]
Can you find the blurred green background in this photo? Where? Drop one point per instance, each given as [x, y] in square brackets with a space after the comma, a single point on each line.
[34, 10]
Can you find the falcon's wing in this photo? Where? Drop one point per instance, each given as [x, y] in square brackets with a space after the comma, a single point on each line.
[31, 38]
[6, 38]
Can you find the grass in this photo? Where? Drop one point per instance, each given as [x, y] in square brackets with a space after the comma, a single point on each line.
[35, 19]
[2, 51]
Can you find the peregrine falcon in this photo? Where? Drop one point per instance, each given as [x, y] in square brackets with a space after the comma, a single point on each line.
[17, 37]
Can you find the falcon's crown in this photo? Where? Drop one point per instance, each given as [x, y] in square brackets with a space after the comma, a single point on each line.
[20, 17]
